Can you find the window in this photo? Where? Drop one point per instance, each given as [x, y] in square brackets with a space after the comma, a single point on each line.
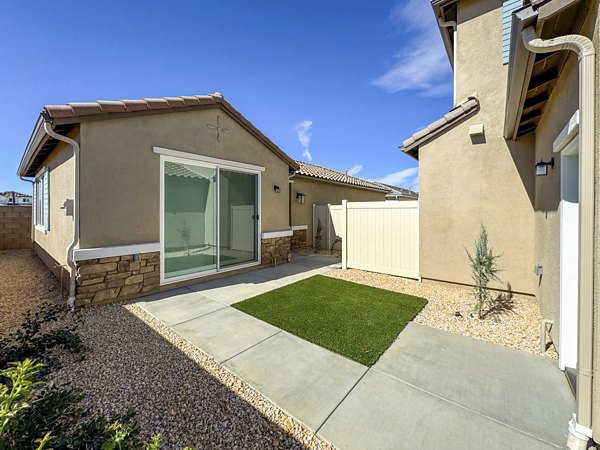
[41, 197]
[508, 6]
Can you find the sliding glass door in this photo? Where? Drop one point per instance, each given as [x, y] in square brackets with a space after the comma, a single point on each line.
[238, 220]
[209, 218]
[190, 216]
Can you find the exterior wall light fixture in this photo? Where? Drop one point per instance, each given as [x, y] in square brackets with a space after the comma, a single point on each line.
[276, 189]
[300, 198]
[541, 168]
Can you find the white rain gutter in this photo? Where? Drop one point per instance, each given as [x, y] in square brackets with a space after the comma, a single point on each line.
[75, 242]
[582, 421]
[446, 24]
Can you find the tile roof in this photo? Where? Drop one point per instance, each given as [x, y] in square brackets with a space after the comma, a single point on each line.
[396, 191]
[180, 170]
[323, 173]
[467, 107]
[85, 109]
[72, 113]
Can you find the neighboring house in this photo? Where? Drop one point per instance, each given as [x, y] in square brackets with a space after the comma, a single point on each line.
[317, 185]
[138, 196]
[15, 198]
[398, 193]
[525, 106]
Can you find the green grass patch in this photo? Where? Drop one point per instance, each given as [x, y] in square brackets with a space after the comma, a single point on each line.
[357, 321]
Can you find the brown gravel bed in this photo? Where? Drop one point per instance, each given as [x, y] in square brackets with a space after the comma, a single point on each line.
[25, 283]
[518, 328]
[137, 362]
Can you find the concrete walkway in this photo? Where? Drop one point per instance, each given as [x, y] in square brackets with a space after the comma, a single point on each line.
[430, 389]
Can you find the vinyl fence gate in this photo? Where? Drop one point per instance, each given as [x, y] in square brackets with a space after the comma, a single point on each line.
[375, 236]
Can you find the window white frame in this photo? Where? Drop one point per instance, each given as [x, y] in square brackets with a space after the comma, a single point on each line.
[167, 155]
[42, 200]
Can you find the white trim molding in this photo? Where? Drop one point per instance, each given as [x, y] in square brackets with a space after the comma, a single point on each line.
[276, 234]
[206, 159]
[567, 134]
[299, 227]
[83, 254]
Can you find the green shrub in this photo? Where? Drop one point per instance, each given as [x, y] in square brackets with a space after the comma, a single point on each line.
[484, 270]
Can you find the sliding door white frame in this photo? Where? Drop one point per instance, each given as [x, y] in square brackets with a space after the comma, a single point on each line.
[217, 164]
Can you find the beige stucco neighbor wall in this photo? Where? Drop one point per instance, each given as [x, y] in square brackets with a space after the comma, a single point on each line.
[321, 193]
[465, 183]
[55, 241]
[120, 190]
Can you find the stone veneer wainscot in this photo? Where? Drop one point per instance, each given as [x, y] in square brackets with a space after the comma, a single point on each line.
[299, 239]
[117, 278]
[276, 250]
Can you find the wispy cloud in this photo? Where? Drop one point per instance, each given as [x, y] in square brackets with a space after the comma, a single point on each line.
[422, 65]
[304, 132]
[406, 178]
[353, 171]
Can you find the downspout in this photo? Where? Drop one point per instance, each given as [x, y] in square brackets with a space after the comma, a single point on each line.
[446, 24]
[582, 422]
[70, 260]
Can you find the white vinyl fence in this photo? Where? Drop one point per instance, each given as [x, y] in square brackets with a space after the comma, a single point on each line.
[376, 236]
[330, 217]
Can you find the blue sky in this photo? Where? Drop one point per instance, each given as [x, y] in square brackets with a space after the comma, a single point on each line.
[341, 82]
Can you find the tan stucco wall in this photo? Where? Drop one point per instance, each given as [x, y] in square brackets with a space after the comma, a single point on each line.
[561, 107]
[60, 233]
[120, 188]
[465, 183]
[321, 193]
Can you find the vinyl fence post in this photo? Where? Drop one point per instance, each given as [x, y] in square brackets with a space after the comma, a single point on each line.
[314, 226]
[328, 225]
[344, 234]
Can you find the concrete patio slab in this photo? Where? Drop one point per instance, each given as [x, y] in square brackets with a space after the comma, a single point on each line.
[179, 306]
[303, 379]
[314, 260]
[225, 333]
[522, 390]
[235, 288]
[290, 273]
[384, 413]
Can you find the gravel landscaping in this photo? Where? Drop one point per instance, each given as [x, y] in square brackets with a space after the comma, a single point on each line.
[24, 284]
[518, 328]
[139, 363]
[136, 362]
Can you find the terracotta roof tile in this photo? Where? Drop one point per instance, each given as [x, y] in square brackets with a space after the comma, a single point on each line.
[312, 170]
[411, 145]
[77, 112]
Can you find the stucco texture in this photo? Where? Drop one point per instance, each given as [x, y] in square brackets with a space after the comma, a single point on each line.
[120, 173]
[60, 231]
[466, 182]
[319, 192]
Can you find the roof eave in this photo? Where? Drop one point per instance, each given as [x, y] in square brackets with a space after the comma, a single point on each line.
[444, 31]
[35, 140]
[341, 183]
[520, 66]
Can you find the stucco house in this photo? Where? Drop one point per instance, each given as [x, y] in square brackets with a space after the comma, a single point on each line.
[318, 185]
[518, 152]
[137, 196]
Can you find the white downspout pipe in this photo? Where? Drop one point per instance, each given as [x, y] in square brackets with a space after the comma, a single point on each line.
[70, 260]
[582, 423]
[446, 24]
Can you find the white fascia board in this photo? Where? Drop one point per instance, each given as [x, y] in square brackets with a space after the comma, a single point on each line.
[82, 254]
[34, 142]
[207, 159]
[276, 234]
